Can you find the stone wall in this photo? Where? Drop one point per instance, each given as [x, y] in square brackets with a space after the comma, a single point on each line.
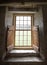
[38, 21]
[2, 31]
[44, 9]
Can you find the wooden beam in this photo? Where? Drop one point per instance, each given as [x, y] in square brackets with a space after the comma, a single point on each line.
[22, 9]
[21, 1]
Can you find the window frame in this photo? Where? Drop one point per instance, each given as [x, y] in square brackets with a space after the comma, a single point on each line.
[32, 23]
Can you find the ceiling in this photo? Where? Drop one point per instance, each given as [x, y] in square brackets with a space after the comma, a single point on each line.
[21, 1]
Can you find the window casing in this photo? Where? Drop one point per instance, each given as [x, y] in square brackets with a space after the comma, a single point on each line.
[23, 30]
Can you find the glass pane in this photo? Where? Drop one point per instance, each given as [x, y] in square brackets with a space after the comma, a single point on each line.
[29, 23]
[21, 32]
[17, 26]
[25, 32]
[29, 43]
[29, 27]
[29, 32]
[21, 38]
[25, 22]
[17, 38]
[29, 17]
[21, 18]
[21, 43]
[17, 17]
[16, 43]
[25, 17]
[21, 22]
[21, 26]
[26, 26]
[17, 22]
[25, 38]
[29, 37]
[17, 33]
[25, 43]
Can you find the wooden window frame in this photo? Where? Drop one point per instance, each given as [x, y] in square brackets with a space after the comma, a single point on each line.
[32, 23]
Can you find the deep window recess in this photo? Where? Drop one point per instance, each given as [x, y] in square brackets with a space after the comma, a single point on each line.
[23, 30]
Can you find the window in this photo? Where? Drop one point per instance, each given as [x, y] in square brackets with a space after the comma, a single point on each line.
[23, 30]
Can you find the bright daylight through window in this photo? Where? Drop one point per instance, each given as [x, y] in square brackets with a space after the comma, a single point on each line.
[23, 31]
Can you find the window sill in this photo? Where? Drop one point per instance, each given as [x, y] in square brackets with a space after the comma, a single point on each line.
[24, 48]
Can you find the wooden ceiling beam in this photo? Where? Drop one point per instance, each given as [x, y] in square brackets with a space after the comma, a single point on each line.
[19, 1]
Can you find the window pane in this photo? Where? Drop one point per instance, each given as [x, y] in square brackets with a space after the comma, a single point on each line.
[29, 32]
[17, 33]
[25, 22]
[21, 38]
[21, 32]
[29, 17]
[21, 26]
[29, 23]
[29, 43]
[17, 22]
[29, 37]
[16, 43]
[17, 26]
[17, 17]
[16, 38]
[21, 18]
[25, 38]
[25, 17]
[26, 26]
[29, 27]
[25, 32]
[25, 43]
[21, 43]
[21, 22]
